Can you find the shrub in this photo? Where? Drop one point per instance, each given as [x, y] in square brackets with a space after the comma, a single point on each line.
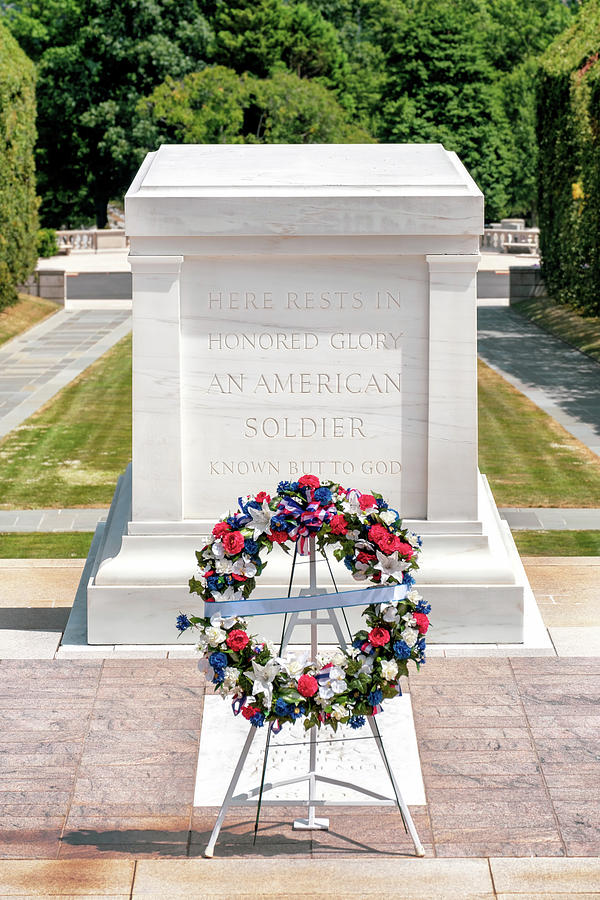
[568, 114]
[18, 203]
[46, 243]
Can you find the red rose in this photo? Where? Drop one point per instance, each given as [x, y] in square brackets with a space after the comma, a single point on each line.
[379, 636]
[238, 577]
[262, 496]
[308, 685]
[406, 550]
[365, 557]
[233, 542]
[366, 501]
[220, 529]
[310, 481]
[422, 622]
[249, 711]
[376, 576]
[237, 639]
[338, 525]
[278, 537]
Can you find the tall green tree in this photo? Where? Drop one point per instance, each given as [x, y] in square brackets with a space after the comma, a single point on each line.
[18, 201]
[91, 76]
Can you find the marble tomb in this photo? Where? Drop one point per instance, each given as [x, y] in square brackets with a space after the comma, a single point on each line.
[303, 308]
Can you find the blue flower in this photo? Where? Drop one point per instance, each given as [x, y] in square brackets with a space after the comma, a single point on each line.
[421, 644]
[217, 660]
[381, 504]
[349, 562]
[423, 607]
[401, 650]
[357, 642]
[182, 622]
[250, 546]
[289, 710]
[279, 523]
[284, 486]
[408, 580]
[356, 721]
[219, 676]
[294, 486]
[323, 495]
[375, 697]
[213, 582]
[258, 720]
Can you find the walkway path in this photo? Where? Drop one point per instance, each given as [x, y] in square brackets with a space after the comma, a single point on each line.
[559, 379]
[35, 365]
[28, 520]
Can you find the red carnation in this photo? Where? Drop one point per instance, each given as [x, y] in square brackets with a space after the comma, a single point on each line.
[233, 542]
[237, 639]
[365, 557]
[263, 496]
[379, 636]
[220, 529]
[249, 711]
[338, 525]
[238, 577]
[406, 550]
[422, 622]
[385, 540]
[367, 501]
[278, 537]
[308, 685]
[310, 481]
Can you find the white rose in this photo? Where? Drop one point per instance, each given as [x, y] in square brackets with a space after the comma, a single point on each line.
[388, 516]
[338, 685]
[218, 550]
[215, 636]
[338, 658]
[413, 595]
[410, 636]
[389, 669]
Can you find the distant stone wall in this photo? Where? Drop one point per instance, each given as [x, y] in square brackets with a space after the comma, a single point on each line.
[525, 282]
[47, 283]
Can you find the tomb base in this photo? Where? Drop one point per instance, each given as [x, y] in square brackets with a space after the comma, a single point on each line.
[470, 572]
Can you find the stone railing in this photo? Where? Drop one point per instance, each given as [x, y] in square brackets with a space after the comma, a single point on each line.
[91, 240]
[512, 240]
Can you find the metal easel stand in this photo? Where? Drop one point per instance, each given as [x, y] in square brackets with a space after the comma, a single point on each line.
[311, 822]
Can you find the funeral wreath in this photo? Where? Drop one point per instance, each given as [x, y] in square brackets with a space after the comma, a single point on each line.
[342, 686]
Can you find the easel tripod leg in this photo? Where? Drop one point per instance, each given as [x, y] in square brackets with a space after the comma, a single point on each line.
[404, 810]
[210, 848]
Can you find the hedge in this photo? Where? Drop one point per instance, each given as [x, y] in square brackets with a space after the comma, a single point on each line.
[18, 202]
[568, 123]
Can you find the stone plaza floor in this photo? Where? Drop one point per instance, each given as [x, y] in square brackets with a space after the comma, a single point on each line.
[99, 757]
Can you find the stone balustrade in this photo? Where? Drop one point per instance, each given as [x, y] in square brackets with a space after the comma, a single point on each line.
[511, 240]
[91, 239]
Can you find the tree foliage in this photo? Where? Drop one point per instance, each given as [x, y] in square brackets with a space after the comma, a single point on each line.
[18, 202]
[460, 72]
[568, 107]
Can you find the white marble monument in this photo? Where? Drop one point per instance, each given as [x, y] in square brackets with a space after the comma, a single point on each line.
[303, 309]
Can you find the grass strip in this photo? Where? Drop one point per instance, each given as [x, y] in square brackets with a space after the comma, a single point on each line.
[529, 459]
[23, 315]
[45, 545]
[557, 543]
[582, 332]
[71, 452]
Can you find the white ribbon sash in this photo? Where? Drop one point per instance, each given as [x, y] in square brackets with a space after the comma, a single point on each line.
[363, 597]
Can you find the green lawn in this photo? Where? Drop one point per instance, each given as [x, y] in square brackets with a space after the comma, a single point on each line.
[558, 543]
[71, 452]
[558, 319]
[529, 459]
[27, 312]
[52, 545]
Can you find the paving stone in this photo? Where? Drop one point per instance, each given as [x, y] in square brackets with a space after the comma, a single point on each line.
[317, 878]
[522, 876]
[42, 878]
[576, 641]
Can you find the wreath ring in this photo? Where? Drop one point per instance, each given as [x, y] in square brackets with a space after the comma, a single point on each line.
[340, 687]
